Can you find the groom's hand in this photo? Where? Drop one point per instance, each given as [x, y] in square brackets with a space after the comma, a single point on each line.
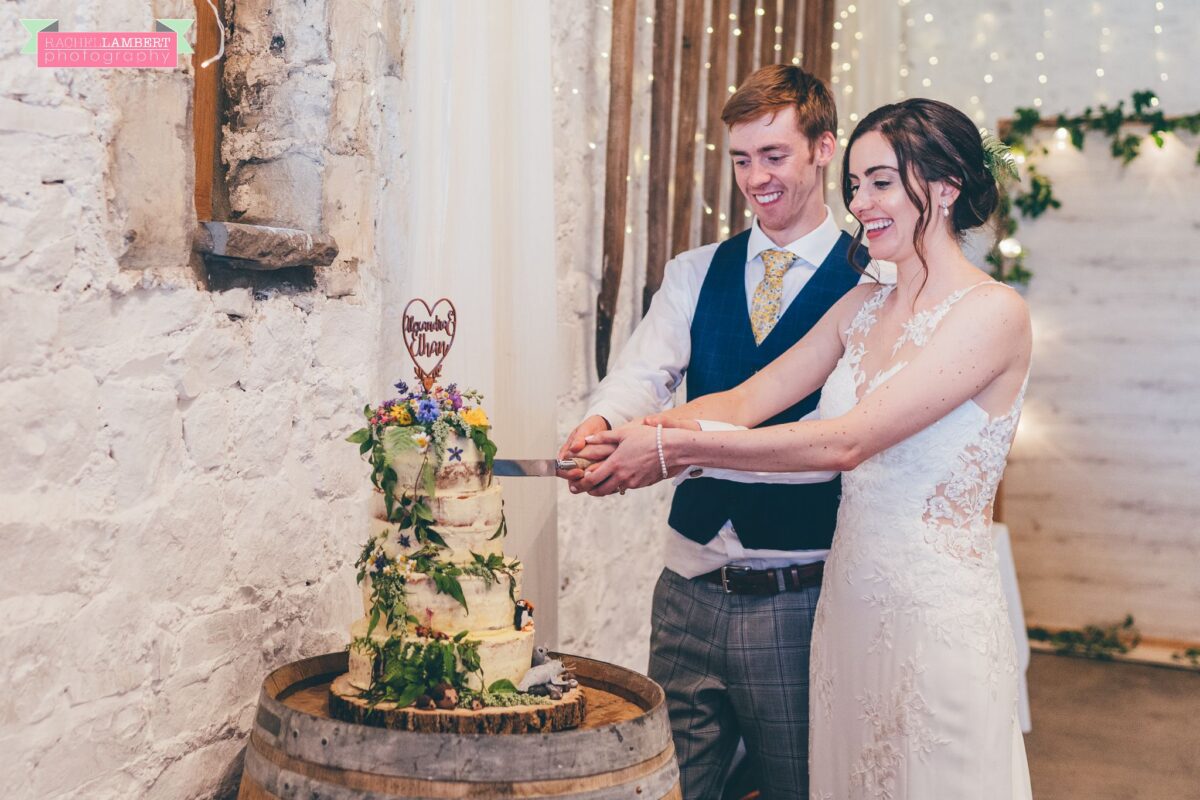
[577, 447]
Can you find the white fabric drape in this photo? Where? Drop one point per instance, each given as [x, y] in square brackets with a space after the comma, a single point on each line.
[480, 231]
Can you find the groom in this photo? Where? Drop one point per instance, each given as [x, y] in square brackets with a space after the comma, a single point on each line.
[733, 610]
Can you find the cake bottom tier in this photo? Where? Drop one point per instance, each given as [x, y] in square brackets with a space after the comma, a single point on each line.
[503, 654]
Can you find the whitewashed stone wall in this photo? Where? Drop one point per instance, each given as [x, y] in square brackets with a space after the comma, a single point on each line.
[1100, 491]
[178, 510]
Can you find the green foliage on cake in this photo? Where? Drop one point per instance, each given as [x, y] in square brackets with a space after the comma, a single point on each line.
[409, 670]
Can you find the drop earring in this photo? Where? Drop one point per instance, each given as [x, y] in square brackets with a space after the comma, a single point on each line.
[945, 209]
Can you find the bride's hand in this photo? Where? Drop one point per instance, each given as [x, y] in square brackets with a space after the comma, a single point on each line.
[632, 465]
[671, 422]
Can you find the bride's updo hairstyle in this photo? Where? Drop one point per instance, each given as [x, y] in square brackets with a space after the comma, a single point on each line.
[933, 141]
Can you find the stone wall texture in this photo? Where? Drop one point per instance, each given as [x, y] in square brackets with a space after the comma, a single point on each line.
[178, 510]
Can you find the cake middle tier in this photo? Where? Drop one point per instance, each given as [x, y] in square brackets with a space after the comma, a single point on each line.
[479, 508]
[490, 605]
[461, 542]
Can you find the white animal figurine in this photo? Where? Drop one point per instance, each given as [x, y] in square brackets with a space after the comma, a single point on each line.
[543, 673]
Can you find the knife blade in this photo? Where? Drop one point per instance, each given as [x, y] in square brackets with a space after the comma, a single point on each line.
[535, 467]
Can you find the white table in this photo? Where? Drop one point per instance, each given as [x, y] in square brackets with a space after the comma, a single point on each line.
[1016, 615]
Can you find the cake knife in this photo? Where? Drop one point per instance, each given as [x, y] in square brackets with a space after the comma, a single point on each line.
[535, 467]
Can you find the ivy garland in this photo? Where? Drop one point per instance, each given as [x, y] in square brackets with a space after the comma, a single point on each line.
[1007, 257]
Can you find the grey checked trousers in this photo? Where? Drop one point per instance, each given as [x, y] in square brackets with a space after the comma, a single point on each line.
[734, 666]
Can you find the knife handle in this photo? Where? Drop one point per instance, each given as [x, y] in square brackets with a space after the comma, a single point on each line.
[574, 463]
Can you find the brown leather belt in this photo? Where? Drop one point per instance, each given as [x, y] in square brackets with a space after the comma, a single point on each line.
[743, 580]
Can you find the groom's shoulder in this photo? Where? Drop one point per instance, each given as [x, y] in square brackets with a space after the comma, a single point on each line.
[695, 261]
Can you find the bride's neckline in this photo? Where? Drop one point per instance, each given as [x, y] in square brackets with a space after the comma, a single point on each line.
[917, 328]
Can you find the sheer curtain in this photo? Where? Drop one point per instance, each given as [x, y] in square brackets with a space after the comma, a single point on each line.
[480, 231]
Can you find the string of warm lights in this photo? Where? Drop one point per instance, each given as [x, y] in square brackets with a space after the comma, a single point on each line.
[928, 60]
[1015, 61]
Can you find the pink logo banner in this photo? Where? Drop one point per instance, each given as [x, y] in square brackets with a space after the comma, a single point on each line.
[107, 49]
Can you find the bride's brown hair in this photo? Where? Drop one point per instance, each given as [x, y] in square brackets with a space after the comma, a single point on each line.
[933, 141]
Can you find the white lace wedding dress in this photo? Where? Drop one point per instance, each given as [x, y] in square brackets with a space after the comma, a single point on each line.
[914, 683]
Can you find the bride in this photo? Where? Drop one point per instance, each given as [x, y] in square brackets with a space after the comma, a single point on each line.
[914, 683]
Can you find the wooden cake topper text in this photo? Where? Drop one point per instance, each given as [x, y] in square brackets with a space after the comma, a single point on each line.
[428, 334]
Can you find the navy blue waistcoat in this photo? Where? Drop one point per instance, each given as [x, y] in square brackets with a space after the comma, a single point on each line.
[769, 516]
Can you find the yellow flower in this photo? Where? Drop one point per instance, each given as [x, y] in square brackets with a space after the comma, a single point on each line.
[476, 417]
[401, 415]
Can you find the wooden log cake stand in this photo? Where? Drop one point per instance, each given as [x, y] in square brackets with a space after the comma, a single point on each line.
[557, 715]
[622, 750]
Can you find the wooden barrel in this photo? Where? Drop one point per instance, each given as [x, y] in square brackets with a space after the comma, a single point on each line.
[623, 749]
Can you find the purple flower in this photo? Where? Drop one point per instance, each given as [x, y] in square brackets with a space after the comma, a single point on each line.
[456, 401]
[388, 404]
[452, 388]
[455, 453]
[427, 411]
[380, 562]
[401, 387]
[405, 542]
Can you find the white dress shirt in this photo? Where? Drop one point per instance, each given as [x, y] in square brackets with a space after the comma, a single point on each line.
[651, 367]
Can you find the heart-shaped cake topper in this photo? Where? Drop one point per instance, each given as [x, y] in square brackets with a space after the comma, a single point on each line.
[428, 334]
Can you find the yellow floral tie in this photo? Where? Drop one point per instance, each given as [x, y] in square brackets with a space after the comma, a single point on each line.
[764, 308]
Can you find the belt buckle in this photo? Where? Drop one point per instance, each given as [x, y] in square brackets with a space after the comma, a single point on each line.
[725, 576]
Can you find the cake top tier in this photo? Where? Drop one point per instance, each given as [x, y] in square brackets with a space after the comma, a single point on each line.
[417, 441]
[417, 407]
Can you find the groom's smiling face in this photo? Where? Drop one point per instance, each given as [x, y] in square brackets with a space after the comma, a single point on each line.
[781, 172]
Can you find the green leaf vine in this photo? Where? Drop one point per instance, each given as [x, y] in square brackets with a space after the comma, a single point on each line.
[1093, 641]
[408, 669]
[1036, 196]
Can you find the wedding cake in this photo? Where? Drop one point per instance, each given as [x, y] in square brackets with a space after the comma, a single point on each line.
[443, 624]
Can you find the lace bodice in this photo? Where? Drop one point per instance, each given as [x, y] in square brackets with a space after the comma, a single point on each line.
[945, 475]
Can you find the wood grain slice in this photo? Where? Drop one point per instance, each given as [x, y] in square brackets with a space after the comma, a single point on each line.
[560, 715]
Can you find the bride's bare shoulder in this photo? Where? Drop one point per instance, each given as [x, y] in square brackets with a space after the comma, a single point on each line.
[994, 313]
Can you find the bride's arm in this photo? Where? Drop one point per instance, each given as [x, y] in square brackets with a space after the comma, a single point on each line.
[984, 340]
[796, 374]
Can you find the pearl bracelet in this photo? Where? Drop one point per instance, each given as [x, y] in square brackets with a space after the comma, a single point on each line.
[662, 459]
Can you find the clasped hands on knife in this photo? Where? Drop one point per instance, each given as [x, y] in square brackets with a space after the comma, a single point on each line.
[621, 458]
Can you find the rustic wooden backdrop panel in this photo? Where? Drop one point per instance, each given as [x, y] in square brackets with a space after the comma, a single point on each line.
[701, 49]
[1101, 490]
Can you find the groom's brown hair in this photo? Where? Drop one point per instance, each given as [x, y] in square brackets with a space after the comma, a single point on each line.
[778, 86]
